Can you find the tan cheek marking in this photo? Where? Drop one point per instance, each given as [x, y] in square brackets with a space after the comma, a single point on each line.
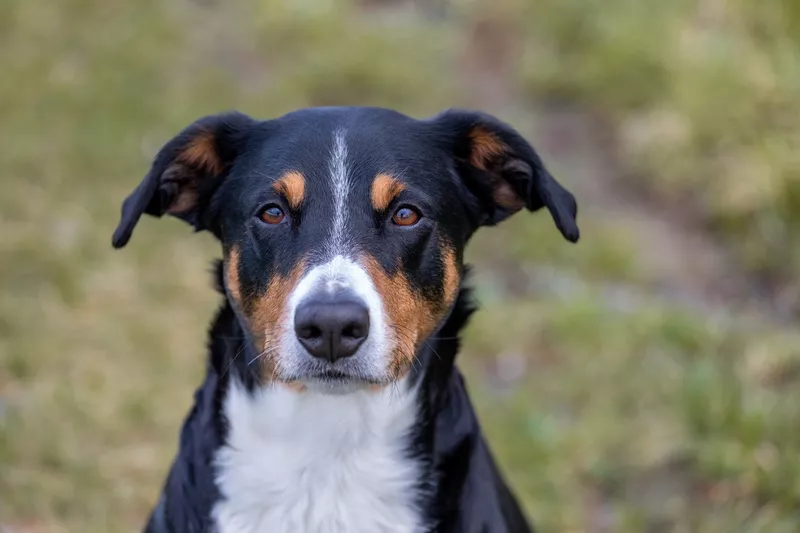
[409, 315]
[201, 152]
[485, 147]
[267, 312]
[385, 188]
[452, 278]
[292, 186]
[232, 275]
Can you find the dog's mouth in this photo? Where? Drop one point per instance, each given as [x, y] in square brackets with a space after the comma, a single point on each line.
[336, 382]
[333, 376]
[336, 376]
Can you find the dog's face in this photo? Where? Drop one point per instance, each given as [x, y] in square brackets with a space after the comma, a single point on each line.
[343, 228]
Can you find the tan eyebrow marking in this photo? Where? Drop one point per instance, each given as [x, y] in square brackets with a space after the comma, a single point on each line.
[385, 188]
[267, 313]
[292, 185]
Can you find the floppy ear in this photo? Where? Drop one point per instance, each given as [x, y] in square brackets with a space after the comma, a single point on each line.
[185, 172]
[503, 170]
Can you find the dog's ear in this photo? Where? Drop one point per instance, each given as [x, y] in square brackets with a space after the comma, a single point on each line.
[185, 172]
[502, 170]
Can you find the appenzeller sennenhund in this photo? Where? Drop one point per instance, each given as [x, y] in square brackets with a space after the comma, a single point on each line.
[331, 403]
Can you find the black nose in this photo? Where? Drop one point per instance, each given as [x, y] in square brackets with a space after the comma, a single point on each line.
[331, 330]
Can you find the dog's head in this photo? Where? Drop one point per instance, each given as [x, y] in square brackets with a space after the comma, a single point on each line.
[343, 229]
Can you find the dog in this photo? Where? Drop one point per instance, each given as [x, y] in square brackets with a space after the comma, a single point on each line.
[331, 402]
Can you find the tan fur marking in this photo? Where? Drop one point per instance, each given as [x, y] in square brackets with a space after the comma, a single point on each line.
[452, 278]
[406, 313]
[411, 317]
[292, 185]
[267, 313]
[201, 152]
[200, 155]
[186, 200]
[232, 275]
[505, 196]
[262, 313]
[295, 386]
[385, 188]
[485, 147]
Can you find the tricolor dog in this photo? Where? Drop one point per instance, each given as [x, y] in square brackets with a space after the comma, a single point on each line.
[331, 403]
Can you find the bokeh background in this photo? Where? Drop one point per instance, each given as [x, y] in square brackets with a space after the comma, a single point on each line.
[644, 380]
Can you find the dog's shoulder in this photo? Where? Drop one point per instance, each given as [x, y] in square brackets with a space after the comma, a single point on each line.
[190, 489]
[472, 495]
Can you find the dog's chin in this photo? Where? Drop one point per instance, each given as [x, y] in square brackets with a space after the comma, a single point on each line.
[335, 383]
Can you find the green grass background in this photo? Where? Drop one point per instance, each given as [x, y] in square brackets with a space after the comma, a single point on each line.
[647, 379]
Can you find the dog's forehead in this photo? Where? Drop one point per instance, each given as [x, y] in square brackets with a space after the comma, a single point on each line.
[329, 119]
[362, 143]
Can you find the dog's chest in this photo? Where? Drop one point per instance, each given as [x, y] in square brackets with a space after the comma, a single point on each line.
[308, 463]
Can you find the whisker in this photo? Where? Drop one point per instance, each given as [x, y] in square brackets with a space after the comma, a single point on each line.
[406, 343]
[238, 353]
[426, 341]
[395, 391]
[269, 352]
[433, 350]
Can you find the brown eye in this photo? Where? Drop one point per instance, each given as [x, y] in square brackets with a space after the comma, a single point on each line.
[272, 214]
[406, 216]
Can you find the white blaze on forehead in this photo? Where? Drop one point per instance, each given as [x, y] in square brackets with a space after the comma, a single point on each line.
[340, 271]
[340, 179]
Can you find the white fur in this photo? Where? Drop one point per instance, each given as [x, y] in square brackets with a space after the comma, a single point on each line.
[341, 273]
[315, 463]
[340, 179]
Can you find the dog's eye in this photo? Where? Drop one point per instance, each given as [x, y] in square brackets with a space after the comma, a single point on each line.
[406, 216]
[272, 214]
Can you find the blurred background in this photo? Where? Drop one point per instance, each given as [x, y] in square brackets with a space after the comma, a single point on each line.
[644, 380]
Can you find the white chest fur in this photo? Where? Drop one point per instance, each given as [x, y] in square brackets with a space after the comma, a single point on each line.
[314, 463]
